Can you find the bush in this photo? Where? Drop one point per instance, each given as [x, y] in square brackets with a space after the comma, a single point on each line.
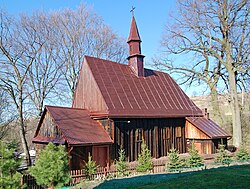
[174, 163]
[145, 160]
[10, 178]
[194, 160]
[223, 157]
[242, 154]
[51, 169]
[90, 168]
[121, 164]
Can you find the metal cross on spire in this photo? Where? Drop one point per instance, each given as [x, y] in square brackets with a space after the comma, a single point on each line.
[132, 10]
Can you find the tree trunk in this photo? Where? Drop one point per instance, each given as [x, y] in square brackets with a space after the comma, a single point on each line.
[22, 130]
[235, 109]
[24, 142]
[215, 105]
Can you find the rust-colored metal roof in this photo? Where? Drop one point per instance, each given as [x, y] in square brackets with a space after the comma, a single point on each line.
[44, 139]
[126, 95]
[133, 34]
[209, 127]
[77, 127]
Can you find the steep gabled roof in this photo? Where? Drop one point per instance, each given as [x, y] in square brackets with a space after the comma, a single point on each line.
[126, 95]
[208, 127]
[76, 126]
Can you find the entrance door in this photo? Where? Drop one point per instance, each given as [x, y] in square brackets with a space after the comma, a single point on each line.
[100, 155]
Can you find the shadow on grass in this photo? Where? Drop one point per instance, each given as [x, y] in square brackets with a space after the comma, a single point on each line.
[136, 181]
[236, 171]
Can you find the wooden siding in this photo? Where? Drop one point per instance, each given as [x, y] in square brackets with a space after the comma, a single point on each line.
[203, 146]
[87, 94]
[193, 133]
[160, 136]
[79, 156]
[48, 127]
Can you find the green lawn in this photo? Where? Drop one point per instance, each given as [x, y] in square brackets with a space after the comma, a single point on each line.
[233, 177]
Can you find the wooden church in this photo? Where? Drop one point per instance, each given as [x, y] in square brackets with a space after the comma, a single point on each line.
[118, 106]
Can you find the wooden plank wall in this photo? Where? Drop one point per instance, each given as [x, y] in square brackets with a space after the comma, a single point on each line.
[160, 136]
[203, 143]
[203, 146]
[87, 94]
[79, 156]
[194, 133]
[48, 127]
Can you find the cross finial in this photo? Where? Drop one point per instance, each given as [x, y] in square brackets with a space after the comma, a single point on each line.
[132, 10]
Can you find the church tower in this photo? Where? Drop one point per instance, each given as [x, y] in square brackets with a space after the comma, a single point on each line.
[135, 59]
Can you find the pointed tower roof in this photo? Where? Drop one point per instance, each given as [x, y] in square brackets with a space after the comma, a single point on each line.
[133, 34]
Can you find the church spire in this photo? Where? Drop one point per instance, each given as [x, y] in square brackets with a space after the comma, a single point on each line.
[135, 59]
[134, 33]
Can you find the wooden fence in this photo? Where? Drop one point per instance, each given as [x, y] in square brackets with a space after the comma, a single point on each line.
[29, 182]
[101, 173]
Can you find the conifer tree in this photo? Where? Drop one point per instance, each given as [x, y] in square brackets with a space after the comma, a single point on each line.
[144, 160]
[9, 177]
[223, 157]
[242, 154]
[51, 169]
[194, 160]
[121, 163]
[90, 167]
[174, 163]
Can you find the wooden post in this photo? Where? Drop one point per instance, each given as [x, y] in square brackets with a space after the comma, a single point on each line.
[132, 145]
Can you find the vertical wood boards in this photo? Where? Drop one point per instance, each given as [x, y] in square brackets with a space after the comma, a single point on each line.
[160, 135]
[87, 94]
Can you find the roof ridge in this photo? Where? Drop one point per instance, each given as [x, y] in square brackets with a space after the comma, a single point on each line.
[111, 61]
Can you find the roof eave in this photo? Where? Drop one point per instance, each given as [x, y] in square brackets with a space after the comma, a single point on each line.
[91, 144]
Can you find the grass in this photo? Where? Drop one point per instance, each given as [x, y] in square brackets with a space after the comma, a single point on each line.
[233, 177]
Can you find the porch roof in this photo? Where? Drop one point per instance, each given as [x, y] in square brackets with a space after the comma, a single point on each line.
[208, 127]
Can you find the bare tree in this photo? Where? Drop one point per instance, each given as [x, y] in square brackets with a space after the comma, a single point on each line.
[196, 75]
[44, 73]
[66, 36]
[81, 32]
[6, 117]
[17, 52]
[216, 33]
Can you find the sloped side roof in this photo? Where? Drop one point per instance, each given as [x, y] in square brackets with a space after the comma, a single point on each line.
[77, 127]
[126, 95]
[209, 127]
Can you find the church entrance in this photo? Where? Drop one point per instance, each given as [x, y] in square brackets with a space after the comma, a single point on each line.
[100, 155]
